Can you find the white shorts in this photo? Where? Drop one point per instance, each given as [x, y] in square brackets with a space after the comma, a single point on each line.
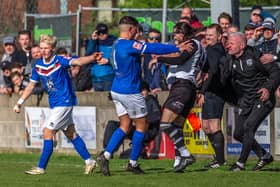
[60, 118]
[132, 104]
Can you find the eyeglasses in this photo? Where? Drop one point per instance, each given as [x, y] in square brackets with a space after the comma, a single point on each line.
[153, 38]
[256, 14]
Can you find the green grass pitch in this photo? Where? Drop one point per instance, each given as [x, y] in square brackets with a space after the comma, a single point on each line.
[67, 170]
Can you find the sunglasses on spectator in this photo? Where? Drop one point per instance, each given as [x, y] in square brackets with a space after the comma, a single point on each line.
[153, 38]
[256, 14]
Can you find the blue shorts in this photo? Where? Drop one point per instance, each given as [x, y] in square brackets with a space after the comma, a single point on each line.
[213, 106]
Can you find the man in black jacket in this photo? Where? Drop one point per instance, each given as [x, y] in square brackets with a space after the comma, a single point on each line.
[254, 84]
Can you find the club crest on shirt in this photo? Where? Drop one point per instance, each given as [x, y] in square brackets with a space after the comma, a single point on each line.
[50, 84]
[137, 45]
[249, 62]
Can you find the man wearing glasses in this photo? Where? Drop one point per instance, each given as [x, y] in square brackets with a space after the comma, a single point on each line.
[255, 16]
[155, 75]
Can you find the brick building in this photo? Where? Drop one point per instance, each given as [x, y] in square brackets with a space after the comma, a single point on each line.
[12, 12]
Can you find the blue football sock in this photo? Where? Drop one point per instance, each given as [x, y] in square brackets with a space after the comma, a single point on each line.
[137, 144]
[115, 140]
[46, 154]
[81, 148]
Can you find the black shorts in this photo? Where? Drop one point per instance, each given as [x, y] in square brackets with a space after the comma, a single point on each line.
[181, 97]
[213, 106]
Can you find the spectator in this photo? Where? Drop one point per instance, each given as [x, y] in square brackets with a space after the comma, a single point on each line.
[61, 51]
[256, 15]
[224, 20]
[232, 28]
[249, 30]
[102, 72]
[10, 52]
[155, 75]
[269, 44]
[35, 54]
[185, 19]
[24, 40]
[80, 77]
[17, 67]
[200, 36]
[194, 21]
[6, 86]
[143, 29]
[20, 82]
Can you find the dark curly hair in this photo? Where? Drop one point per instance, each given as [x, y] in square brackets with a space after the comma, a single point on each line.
[184, 28]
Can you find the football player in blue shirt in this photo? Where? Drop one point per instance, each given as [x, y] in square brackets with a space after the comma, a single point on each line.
[52, 70]
[126, 91]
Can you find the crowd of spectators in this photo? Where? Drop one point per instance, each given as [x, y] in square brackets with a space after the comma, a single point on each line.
[20, 52]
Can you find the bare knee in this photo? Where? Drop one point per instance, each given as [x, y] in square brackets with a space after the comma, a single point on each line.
[70, 132]
[48, 134]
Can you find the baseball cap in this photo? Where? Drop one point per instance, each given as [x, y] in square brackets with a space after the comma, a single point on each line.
[268, 25]
[101, 28]
[5, 65]
[8, 40]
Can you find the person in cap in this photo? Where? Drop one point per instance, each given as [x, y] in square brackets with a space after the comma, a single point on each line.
[102, 72]
[10, 52]
[268, 30]
[269, 42]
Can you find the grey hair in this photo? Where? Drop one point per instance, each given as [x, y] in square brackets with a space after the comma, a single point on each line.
[241, 35]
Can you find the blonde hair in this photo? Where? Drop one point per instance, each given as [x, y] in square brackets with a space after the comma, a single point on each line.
[48, 39]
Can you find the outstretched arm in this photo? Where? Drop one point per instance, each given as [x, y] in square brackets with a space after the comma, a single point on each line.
[87, 59]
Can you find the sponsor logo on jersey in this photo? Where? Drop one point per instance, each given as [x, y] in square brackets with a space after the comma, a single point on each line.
[137, 45]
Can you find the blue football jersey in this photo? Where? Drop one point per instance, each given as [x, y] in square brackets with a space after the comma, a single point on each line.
[127, 63]
[56, 80]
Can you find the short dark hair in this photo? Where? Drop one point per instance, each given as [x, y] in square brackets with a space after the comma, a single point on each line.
[154, 30]
[225, 16]
[250, 26]
[16, 64]
[14, 74]
[184, 28]
[216, 26]
[128, 20]
[25, 32]
[258, 7]
[61, 51]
